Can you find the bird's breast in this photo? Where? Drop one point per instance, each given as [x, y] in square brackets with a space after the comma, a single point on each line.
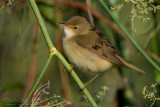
[82, 58]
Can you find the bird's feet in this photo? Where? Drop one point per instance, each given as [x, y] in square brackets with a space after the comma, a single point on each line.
[86, 84]
[70, 69]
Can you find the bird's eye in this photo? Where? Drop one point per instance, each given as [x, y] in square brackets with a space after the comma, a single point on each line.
[75, 27]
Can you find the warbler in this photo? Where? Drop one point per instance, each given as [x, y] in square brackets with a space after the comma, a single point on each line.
[88, 49]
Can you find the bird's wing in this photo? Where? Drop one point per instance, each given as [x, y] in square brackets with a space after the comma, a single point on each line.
[96, 42]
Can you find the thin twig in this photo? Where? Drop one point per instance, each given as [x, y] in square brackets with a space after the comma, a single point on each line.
[88, 2]
[154, 56]
[38, 80]
[147, 30]
[153, 33]
[152, 103]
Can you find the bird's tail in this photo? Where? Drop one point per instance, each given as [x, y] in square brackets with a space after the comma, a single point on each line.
[130, 65]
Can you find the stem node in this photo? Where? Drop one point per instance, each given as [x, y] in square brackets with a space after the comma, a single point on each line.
[52, 51]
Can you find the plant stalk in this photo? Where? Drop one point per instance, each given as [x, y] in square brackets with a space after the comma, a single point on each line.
[37, 80]
[53, 51]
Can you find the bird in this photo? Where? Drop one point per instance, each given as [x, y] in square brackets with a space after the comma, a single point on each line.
[88, 49]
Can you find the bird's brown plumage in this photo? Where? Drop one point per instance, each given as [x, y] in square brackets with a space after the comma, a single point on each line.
[92, 40]
[99, 45]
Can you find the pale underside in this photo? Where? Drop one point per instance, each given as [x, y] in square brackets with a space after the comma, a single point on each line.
[84, 59]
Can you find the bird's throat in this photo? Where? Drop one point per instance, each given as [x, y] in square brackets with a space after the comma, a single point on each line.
[68, 32]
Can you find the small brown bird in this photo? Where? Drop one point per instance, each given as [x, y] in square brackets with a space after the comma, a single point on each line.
[88, 49]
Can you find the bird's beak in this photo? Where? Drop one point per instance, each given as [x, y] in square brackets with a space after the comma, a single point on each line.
[62, 24]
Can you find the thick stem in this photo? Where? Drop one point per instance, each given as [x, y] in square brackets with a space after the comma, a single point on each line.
[52, 52]
[41, 24]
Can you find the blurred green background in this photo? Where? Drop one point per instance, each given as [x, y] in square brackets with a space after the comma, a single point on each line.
[23, 53]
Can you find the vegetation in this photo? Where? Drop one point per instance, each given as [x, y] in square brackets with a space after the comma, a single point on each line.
[23, 53]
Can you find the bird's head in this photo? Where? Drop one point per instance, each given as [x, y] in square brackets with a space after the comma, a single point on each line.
[76, 25]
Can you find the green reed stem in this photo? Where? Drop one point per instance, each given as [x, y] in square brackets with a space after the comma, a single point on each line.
[38, 79]
[53, 51]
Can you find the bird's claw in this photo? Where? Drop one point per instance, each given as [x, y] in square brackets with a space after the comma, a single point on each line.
[71, 68]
